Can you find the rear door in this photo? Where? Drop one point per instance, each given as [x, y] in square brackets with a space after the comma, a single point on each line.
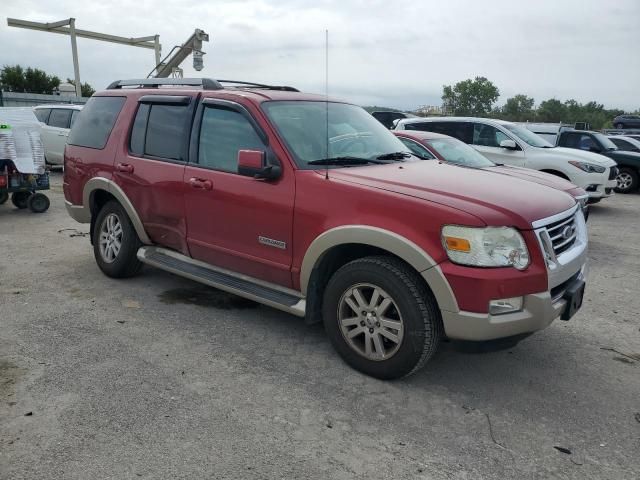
[486, 139]
[151, 166]
[55, 133]
[236, 222]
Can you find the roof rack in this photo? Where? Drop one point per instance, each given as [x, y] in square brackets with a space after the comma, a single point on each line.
[205, 83]
[241, 84]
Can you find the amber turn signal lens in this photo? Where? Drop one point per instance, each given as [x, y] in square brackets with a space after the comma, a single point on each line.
[458, 244]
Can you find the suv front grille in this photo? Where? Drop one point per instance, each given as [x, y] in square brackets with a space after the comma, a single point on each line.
[613, 173]
[562, 234]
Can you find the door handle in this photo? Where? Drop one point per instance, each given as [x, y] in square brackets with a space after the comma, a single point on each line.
[201, 183]
[124, 167]
[61, 134]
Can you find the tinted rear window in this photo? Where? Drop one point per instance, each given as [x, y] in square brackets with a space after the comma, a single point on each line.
[166, 131]
[93, 127]
[463, 131]
[42, 114]
[60, 118]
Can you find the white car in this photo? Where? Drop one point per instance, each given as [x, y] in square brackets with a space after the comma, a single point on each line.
[510, 144]
[56, 121]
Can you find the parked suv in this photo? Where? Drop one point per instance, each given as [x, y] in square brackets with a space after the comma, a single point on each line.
[628, 162]
[626, 121]
[57, 121]
[251, 190]
[510, 144]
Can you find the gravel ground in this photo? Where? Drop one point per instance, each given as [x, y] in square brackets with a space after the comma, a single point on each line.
[157, 377]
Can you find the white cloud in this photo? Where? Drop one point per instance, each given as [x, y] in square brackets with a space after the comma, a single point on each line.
[381, 52]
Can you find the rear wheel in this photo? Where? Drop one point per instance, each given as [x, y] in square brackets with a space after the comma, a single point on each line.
[381, 317]
[20, 199]
[627, 180]
[115, 242]
[38, 203]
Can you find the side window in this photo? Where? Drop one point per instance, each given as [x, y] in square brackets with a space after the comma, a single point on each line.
[222, 134]
[487, 135]
[417, 149]
[569, 140]
[74, 116]
[93, 127]
[59, 117]
[166, 131]
[42, 114]
[460, 130]
[624, 145]
[586, 142]
[139, 130]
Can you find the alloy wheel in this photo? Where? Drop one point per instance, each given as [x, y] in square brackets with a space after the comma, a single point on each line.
[624, 180]
[110, 240]
[370, 321]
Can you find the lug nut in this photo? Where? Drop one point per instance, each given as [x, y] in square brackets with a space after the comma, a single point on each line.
[377, 324]
[362, 323]
[371, 330]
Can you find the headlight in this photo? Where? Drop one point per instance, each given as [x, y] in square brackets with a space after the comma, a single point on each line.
[588, 167]
[485, 247]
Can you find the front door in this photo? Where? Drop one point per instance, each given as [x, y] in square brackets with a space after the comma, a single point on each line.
[486, 140]
[236, 222]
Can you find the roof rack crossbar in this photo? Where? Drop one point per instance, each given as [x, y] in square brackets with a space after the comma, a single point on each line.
[284, 88]
[205, 83]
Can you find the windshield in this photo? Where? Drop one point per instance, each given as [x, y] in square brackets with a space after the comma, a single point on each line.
[605, 142]
[353, 133]
[455, 151]
[527, 136]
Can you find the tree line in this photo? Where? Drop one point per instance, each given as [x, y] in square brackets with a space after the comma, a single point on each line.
[477, 98]
[15, 78]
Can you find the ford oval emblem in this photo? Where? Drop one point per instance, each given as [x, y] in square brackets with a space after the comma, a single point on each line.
[567, 232]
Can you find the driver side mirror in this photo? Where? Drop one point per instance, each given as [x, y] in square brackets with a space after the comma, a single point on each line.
[508, 144]
[253, 163]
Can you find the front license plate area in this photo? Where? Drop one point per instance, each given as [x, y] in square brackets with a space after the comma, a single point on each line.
[573, 295]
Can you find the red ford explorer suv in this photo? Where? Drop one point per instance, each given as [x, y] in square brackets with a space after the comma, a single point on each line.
[311, 206]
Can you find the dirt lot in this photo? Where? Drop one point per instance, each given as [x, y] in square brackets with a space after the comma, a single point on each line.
[158, 377]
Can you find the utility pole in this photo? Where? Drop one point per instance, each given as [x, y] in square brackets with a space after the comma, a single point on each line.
[74, 53]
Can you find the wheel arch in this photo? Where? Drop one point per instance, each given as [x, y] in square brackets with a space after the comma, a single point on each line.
[99, 190]
[557, 173]
[340, 245]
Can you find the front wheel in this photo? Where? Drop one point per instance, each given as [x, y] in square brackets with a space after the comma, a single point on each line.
[115, 242]
[627, 180]
[381, 317]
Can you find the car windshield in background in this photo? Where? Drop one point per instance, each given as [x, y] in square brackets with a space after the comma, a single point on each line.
[605, 142]
[353, 134]
[527, 136]
[455, 151]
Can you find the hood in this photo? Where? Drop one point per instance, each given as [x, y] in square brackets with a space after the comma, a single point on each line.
[542, 178]
[497, 200]
[622, 155]
[581, 155]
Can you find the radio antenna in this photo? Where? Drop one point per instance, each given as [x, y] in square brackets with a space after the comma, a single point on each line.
[326, 96]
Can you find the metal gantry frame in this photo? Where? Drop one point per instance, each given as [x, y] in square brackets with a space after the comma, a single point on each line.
[68, 27]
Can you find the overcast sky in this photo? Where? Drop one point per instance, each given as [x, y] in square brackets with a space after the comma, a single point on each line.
[396, 54]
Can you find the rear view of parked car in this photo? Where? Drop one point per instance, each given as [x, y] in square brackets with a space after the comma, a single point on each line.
[510, 144]
[57, 121]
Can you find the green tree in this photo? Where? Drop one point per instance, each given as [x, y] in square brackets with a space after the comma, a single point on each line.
[14, 78]
[552, 110]
[470, 97]
[518, 108]
[86, 89]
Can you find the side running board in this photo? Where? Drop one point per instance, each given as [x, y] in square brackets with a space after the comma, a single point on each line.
[262, 292]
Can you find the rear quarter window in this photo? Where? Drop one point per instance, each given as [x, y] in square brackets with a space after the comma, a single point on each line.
[93, 127]
[42, 114]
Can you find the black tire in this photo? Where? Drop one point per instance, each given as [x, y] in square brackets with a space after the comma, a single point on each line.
[4, 196]
[125, 263]
[20, 199]
[630, 180]
[38, 203]
[416, 307]
[620, 126]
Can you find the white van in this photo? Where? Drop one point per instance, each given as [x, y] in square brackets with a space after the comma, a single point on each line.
[56, 121]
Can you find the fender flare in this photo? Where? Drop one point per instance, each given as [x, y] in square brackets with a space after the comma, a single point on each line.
[101, 183]
[396, 244]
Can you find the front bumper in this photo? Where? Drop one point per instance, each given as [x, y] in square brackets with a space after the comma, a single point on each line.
[539, 310]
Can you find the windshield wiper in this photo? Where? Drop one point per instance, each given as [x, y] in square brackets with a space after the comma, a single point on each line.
[394, 156]
[342, 161]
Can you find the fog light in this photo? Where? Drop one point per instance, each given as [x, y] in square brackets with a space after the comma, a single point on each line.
[505, 305]
[591, 188]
